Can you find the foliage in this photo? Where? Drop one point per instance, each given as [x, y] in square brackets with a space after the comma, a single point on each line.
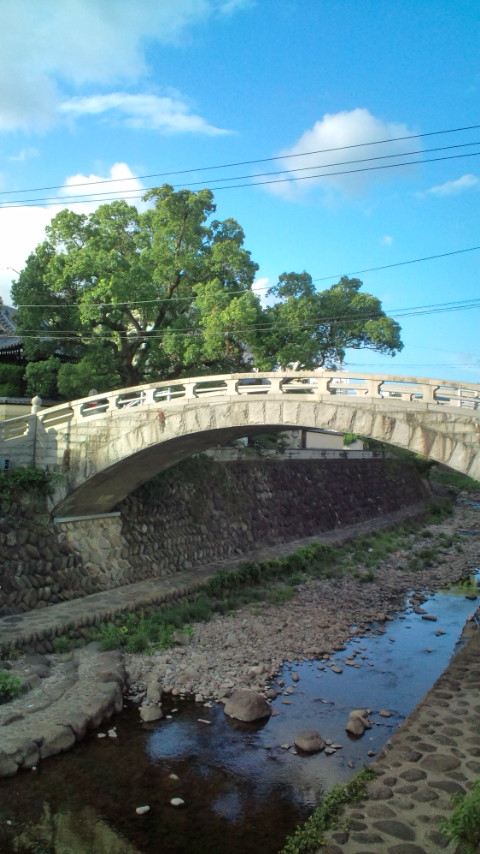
[264, 444]
[11, 381]
[64, 644]
[463, 825]
[349, 438]
[453, 478]
[139, 296]
[311, 835]
[35, 481]
[10, 686]
[131, 297]
[41, 377]
[438, 511]
[310, 328]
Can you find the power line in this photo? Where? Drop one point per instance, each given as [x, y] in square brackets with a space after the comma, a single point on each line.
[276, 180]
[335, 320]
[253, 290]
[76, 198]
[399, 264]
[244, 162]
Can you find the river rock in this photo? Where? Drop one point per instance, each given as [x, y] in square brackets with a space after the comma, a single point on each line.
[247, 706]
[358, 722]
[154, 691]
[309, 740]
[150, 713]
[355, 726]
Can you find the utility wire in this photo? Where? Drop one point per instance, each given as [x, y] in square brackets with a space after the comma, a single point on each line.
[222, 294]
[244, 162]
[31, 203]
[97, 196]
[417, 311]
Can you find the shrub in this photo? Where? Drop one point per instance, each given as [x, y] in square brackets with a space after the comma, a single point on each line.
[463, 825]
[10, 686]
[62, 645]
[36, 481]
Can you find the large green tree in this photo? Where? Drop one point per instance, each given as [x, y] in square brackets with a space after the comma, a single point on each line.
[122, 297]
[310, 328]
[137, 296]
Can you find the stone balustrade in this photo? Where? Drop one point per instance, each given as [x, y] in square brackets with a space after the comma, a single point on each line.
[408, 390]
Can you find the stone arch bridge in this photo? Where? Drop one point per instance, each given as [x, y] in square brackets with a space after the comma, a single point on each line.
[108, 444]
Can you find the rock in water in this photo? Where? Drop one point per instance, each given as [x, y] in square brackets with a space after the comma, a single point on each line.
[309, 740]
[150, 713]
[358, 722]
[247, 706]
[355, 726]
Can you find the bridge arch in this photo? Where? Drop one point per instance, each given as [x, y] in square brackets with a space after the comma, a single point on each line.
[108, 445]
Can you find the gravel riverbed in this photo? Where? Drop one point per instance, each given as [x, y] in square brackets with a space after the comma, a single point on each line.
[247, 649]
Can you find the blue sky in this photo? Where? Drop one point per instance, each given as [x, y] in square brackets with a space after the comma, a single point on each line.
[100, 89]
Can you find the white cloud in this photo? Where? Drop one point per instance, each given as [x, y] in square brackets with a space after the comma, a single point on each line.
[451, 188]
[387, 240]
[23, 228]
[25, 154]
[48, 44]
[167, 115]
[355, 132]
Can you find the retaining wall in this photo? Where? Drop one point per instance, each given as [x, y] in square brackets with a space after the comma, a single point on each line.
[196, 513]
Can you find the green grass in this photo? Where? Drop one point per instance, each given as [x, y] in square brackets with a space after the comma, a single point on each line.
[453, 478]
[463, 825]
[10, 686]
[271, 582]
[308, 837]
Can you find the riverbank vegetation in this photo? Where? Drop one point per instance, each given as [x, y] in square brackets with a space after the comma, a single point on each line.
[463, 825]
[274, 581]
[309, 836]
[38, 483]
[10, 686]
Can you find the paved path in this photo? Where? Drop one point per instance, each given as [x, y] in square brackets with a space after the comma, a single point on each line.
[34, 630]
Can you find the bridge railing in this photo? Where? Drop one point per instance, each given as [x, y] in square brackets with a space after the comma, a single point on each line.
[409, 390]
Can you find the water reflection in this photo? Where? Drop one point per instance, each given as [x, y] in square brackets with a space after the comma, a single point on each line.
[68, 832]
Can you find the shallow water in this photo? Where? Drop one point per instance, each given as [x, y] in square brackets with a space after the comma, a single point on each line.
[243, 791]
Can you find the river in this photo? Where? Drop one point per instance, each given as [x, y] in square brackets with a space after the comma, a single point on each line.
[244, 787]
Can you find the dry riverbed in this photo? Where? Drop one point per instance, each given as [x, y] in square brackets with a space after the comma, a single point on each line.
[247, 649]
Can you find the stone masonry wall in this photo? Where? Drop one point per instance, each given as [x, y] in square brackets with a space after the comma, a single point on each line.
[197, 513]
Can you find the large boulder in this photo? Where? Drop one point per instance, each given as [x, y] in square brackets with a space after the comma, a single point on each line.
[309, 740]
[358, 722]
[247, 706]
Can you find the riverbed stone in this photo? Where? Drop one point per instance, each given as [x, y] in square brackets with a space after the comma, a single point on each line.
[151, 713]
[309, 740]
[54, 739]
[247, 706]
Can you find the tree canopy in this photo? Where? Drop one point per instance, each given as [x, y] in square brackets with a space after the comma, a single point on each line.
[122, 297]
